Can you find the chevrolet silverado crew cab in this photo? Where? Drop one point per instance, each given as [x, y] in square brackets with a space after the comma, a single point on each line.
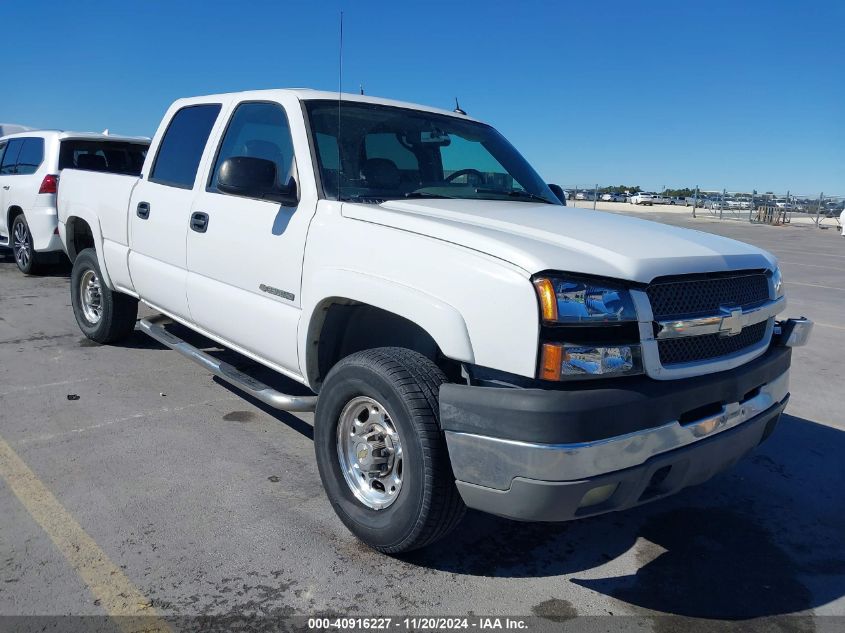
[469, 341]
[30, 165]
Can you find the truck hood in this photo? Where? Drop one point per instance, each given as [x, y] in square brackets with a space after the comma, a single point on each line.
[537, 237]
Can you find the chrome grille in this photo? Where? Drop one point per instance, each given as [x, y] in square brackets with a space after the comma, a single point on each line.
[674, 297]
[710, 346]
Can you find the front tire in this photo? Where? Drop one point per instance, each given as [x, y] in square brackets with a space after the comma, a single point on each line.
[103, 315]
[380, 451]
[25, 256]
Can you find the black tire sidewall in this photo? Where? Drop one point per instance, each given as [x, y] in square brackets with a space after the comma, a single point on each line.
[87, 260]
[390, 526]
[21, 218]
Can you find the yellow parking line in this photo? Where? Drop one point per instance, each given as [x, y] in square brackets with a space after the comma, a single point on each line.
[835, 327]
[801, 283]
[836, 268]
[109, 585]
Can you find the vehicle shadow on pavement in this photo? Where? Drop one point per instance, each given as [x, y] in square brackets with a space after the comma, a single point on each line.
[268, 377]
[139, 340]
[763, 539]
[59, 268]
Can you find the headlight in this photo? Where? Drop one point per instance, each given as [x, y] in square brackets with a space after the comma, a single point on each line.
[777, 281]
[593, 324]
[582, 301]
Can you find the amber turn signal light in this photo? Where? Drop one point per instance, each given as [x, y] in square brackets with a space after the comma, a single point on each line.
[548, 300]
[551, 360]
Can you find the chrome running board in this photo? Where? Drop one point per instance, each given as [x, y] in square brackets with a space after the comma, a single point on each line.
[269, 396]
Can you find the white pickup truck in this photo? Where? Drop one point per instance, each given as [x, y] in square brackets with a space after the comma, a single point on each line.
[470, 341]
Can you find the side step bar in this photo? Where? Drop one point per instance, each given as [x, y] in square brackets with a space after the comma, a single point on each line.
[269, 396]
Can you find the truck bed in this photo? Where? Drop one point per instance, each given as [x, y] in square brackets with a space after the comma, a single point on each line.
[102, 200]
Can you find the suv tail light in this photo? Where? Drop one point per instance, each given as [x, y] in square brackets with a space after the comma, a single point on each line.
[50, 184]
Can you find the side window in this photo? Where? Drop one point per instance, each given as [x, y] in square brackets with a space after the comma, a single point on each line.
[2, 150]
[181, 148]
[10, 158]
[258, 130]
[31, 156]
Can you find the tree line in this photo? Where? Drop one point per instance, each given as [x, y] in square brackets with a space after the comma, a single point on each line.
[671, 193]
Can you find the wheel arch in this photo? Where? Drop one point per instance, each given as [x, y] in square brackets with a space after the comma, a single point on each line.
[81, 230]
[11, 213]
[78, 237]
[352, 311]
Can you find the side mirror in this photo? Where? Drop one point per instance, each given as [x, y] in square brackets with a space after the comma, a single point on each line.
[254, 178]
[558, 191]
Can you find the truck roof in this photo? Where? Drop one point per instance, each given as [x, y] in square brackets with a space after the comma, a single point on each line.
[308, 94]
[93, 136]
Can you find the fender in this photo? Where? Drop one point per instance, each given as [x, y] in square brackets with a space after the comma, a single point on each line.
[336, 285]
[89, 216]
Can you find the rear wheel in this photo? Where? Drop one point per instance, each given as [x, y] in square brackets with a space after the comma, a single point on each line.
[25, 256]
[103, 315]
[382, 457]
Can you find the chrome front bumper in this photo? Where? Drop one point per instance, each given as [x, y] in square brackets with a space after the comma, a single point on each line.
[495, 462]
[664, 474]
[794, 332]
[554, 455]
[661, 476]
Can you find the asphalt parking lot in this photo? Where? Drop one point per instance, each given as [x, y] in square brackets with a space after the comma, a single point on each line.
[177, 494]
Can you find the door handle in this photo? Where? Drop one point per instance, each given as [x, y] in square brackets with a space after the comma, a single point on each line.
[143, 210]
[6, 187]
[199, 222]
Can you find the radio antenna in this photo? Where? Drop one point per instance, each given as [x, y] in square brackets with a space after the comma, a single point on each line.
[339, 99]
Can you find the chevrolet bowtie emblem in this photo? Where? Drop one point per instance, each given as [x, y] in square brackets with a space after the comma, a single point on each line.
[733, 321]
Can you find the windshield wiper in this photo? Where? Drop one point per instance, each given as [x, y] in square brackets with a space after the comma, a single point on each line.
[424, 194]
[515, 193]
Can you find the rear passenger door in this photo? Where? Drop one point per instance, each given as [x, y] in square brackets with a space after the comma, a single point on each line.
[245, 262]
[160, 210]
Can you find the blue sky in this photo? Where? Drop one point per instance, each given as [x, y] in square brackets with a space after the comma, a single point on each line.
[739, 95]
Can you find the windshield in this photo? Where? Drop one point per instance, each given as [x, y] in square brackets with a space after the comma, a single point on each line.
[388, 153]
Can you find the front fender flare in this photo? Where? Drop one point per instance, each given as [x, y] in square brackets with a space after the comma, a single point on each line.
[443, 322]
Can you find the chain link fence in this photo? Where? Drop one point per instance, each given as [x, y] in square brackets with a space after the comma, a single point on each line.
[821, 210]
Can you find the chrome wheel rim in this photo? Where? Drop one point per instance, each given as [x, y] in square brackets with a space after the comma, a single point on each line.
[370, 453]
[22, 247]
[91, 297]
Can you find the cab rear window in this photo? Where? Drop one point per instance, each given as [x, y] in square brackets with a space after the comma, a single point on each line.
[115, 157]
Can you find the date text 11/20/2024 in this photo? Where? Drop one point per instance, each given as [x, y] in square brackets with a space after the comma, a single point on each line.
[418, 623]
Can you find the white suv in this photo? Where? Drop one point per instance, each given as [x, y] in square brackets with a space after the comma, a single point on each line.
[30, 163]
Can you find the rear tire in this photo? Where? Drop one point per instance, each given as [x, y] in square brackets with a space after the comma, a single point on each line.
[103, 315]
[392, 389]
[24, 250]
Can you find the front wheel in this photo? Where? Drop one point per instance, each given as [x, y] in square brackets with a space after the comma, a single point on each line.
[103, 315]
[380, 452]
